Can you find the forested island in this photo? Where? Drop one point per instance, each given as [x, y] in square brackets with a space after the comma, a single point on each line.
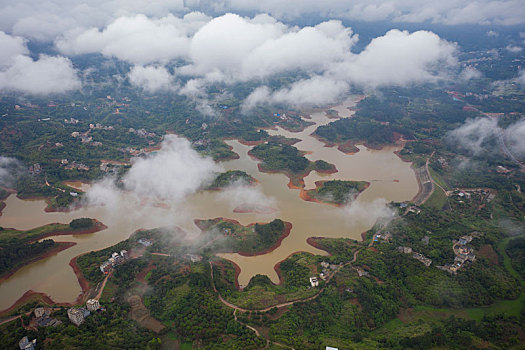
[336, 191]
[231, 177]
[280, 157]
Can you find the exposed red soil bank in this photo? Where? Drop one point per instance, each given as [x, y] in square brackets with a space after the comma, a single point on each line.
[84, 284]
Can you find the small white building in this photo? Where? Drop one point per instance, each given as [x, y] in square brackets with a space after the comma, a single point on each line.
[92, 305]
[331, 348]
[25, 344]
[145, 242]
[314, 282]
[77, 315]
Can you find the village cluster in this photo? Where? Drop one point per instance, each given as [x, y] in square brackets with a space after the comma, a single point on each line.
[463, 254]
[115, 260]
[42, 318]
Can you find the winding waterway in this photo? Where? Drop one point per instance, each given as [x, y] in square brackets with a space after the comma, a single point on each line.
[390, 179]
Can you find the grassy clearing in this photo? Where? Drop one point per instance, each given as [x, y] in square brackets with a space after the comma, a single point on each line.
[506, 259]
[438, 179]
[186, 346]
[109, 291]
[437, 200]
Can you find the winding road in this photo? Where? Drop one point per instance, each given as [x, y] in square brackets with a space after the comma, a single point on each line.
[288, 303]
[257, 333]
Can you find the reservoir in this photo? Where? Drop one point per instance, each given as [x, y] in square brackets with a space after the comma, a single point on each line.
[390, 179]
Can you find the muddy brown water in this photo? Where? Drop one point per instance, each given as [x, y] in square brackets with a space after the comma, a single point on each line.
[390, 179]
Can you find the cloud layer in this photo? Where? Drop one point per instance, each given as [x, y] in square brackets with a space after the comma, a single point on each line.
[49, 19]
[474, 133]
[10, 169]
[171, 174]
[47, 74]
[231, 48]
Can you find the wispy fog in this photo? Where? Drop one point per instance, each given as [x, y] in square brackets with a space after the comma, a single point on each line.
[10, 169]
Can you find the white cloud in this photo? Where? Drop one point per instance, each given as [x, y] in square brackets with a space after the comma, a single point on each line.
[44, 76]
[368, 213]
[174, 172]
[239, 195]
[396, 58]
[400, 58]
[19, 72]
[232, 48]
[521, 77]
[515, 137]
[137, 39]
[315, 91]
[514, 49]
[155, 190]
[504, 12]
[46, 20]
[10, 169]
[11, 46]
[151, 78]
[474, 133]
[470, 73]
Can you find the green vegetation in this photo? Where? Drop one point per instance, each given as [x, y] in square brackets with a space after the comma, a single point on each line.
[9, 235]
[278, 156]
[81, 223]
[229, 177]
[516, 252]
[337, 191]
[3, 194]
[21, 247]
[110, 329]
[287, 159]
[237, 238]
[261, 292]
[89, 263]
[183, 300]
[15, 255]
[217, 149]
[437, 199]
[385, 299]
[373, 134]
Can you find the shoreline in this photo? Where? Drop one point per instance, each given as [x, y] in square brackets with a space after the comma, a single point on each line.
[419, 183]
[60, 246]
[46, 299]
[313, 242]
[82, 281]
